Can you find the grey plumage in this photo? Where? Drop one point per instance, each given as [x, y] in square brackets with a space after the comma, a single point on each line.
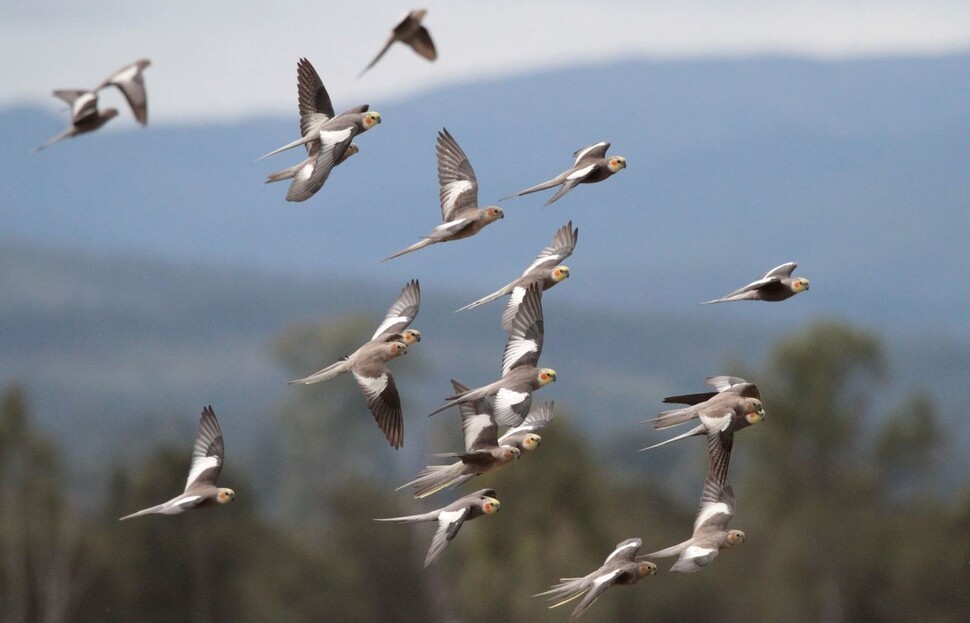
[450, 519]
[208, 455]
[590, 166]
[131, 83]
[85, 116]
[620, 567]
[775, 285]
[409, 31]
[458, 195]
[545, 270]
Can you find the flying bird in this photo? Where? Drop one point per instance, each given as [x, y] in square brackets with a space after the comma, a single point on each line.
[316, 110]
[208, 454]
[591, 166]
[520, 376]
[735, 404]
[410, 32]
[524, 435]
[546, 269]
[85, 116]
[368, 363]
[775, 285]
[620, 567]
[450, 519]
[131, 83]
[483, 452]
[716, 509]
[459, 198]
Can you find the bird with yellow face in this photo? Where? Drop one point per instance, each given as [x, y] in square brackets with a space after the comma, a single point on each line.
[458, 195]
[451, 518]
[520, 376]
[546, 270]
[201, 491]
[591, 166]
[620, 567]
[368, 363]
[775, 285]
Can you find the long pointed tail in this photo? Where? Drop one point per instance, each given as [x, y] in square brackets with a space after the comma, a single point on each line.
[420, 244]
[300, 141]
[147, 511]
[327, 373]
[487, 299]
[673, 417]
[532, 189]
[435, 478]
[432, 516]
[56, 139]
[565, 591]
[697, 430]
[673, 550]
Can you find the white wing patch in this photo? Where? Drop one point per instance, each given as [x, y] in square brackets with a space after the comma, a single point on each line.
[199, 465]
[607, 578]
[618, 551]
[181, 505]
[581, 173]
[582, 153]
[505, 400]
[707, 512]
[451, 192]
[512, 308]
[696, 551]
[516, 350]
[719, 422]
[388, 322]
[449, 517]
[329, 137]
[372, 386]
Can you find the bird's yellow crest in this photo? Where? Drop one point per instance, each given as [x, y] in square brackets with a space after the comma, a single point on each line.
[616, 163]
[531, 441]
[491, 506]
[225, 496]
[559, 273]
[547, 375]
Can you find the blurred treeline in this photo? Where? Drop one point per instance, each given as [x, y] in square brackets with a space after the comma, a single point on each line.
[842, 518]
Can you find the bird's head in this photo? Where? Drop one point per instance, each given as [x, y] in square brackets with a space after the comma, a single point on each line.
[799, 285]
[559, 273]
[396, 349]
[351, 150]
[733, 538]
[143, 63]
[225, 496]
[754, 411]
[490, 505]
[410, 336]
[370, 119]
[546, 376]
[616, 163]
[531, 441]
[509, 453]
[646, 568]
[109, 113]
[494, 213]
[418, 14]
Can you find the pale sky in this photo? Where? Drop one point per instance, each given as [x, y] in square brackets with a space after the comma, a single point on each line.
[222, 59]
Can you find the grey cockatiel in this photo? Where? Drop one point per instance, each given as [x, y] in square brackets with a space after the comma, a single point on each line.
[524, 434]
[410, 32]
[85, 116]
[208, 454]
[368, 363]
[131, 83]
[545, 269]
[483, 452]
[735, 404]
[713, 515]
[458, 194]
[520, 376]
[316, 110]
[775, 285]
[620, 567]
[450, 518]
[591, 166]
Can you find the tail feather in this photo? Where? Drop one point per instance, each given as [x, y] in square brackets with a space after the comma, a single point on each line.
[420, 244]
[435, 478]
[327, 373]
[567, 590]
[698, 430]
[56, 139]
[532, 189]
[300, 141]
[432, 516]
[287, 174]
[674, 550]
[487, 299]
[147, 511]
[673, 417]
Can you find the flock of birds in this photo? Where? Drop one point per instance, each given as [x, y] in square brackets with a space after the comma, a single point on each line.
[506, 402]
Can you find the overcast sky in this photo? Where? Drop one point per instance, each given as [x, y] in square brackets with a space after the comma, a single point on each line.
[230, 59]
